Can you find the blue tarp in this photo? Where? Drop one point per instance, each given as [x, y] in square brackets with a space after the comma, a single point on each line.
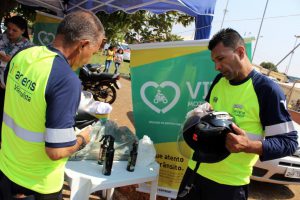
[203, 26]
[202, 10]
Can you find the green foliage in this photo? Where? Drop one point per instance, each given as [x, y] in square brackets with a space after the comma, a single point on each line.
[6, 7]
[269, 66]
[11, 6]
[142, 26]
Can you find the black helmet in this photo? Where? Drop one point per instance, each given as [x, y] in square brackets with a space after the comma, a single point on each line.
[206, 137]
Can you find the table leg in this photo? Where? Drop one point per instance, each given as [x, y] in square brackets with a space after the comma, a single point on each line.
[109, 193]
[153, 190]
[80, 189]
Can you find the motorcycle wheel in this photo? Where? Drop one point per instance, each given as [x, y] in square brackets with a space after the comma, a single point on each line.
[105, 92]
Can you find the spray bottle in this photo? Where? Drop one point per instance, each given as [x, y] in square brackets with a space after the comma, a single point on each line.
[103, 148]
[132, 157]
[109, 156]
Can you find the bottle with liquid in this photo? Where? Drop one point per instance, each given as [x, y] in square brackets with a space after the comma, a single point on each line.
[103, 148]
[109, 156]
[132, 157]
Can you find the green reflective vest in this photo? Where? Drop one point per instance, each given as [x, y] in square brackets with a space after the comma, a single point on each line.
[23, 156]
[242, 103]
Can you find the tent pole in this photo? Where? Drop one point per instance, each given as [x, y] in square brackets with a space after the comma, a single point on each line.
[258, 35]
[225, 11]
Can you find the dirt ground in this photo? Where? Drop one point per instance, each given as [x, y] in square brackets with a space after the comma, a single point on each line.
[122, 114]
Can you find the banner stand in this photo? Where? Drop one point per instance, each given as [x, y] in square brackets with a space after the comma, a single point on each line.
[168, 79]
[164, 192]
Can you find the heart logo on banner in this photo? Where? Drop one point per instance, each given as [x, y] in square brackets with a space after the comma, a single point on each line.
[45, 38]
[162, 85]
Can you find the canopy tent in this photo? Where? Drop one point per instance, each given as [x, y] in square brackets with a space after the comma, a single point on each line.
[202, 10]
[203, 26]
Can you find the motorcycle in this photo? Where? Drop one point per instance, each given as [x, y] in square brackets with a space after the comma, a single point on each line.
[102, 85]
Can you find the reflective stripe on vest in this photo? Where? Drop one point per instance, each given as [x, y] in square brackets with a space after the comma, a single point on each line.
[55, 135]
[284, 127]
[21, 132]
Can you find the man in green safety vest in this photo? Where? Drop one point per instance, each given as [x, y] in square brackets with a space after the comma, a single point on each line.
[41, 99]
[262, 127]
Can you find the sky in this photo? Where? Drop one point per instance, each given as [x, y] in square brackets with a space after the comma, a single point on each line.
[277, 35]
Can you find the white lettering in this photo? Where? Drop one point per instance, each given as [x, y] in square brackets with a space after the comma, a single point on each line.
[206, 87]
[194, 93]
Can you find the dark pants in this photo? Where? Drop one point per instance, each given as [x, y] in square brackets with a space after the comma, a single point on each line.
[205, 189]
[117, 67]
[107, 65]
[9, 189]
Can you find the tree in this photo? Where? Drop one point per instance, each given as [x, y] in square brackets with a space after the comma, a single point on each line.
[142, 26]
[269, 66]
[6, 7]
[10, 7]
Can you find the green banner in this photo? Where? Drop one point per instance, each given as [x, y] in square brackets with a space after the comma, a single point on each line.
[168, 80]
[45, 28]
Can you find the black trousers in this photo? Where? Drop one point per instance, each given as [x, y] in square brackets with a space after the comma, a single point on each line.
[9, 189]
[205, 189]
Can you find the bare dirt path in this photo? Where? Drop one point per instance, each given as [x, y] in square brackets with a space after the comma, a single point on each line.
[122, 114]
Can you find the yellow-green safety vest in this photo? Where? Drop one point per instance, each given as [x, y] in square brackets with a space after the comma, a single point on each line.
[23, 156]
[242, 104]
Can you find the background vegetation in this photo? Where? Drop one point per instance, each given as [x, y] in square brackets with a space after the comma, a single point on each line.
[269, 66]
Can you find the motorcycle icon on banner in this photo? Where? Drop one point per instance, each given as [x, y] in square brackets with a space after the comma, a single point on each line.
[160, 97]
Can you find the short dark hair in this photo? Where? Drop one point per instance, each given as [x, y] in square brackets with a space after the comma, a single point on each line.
[111, 47]
[80, 25]
[19, 22]
[120, 49]
[229, 37]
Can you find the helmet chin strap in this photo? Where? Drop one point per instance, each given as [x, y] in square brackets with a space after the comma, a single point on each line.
[206, 136]
[190, 184]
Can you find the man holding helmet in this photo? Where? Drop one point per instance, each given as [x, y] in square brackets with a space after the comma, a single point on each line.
[262, 127]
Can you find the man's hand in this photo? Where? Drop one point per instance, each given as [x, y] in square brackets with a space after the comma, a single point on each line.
[86, 133]
[200, 111]
[239, 142]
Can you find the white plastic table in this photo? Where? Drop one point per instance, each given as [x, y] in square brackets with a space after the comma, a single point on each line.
[85, 177]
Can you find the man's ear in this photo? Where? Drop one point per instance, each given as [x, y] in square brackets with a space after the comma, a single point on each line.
[241, 51]
[84, 43]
